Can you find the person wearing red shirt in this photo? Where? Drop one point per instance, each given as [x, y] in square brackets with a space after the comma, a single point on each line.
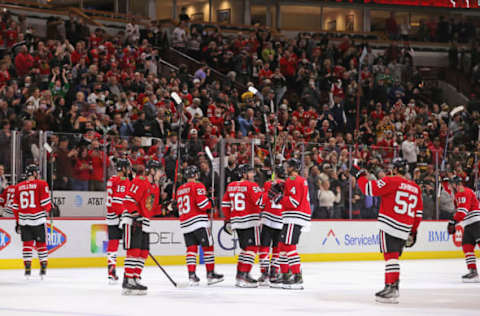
[193, 205]
[98, 161]
[139, 203]
[265, 72]
[23, 62]
[400, 214]
[436, 151]
[468, 213]
[31, 204]
[241, 206]
[117, 187]
[82, 168]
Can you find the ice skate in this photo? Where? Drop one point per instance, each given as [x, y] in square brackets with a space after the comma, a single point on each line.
[43, 270]
[193, 279]
[471, 277]
[129, 286]
[28, 270]
[112, 274]
[294, 283]
[389, 294]
[276, 281]
[244, 280]
[214, 278]
[263, 280]
[141, 289]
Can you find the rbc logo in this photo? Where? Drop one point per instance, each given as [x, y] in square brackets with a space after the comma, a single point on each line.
[55, 238]
[4, 239]
[78, 201]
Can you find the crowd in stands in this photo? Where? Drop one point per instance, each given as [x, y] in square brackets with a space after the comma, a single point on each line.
[105, 94]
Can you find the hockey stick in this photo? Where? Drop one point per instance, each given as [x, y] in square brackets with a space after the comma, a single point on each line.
[452, 113]
[212, 194]
[179, 103]
[49, 149]
[175, 284]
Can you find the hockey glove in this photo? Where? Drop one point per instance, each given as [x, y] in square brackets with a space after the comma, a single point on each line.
[451, 227]
[356, 171]
[412, 239]
[275, 193]
[228, 228]
[17, 228]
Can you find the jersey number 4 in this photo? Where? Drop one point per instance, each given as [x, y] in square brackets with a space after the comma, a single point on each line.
[405, 203]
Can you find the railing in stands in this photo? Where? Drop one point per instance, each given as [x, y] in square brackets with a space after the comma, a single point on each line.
[176, 57]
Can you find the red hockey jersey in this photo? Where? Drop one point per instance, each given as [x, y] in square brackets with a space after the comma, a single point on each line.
[272, 212]
[296, 202]
[468, 207]
[32, 202]
[6, 200]
[193, 203]
[140, 201]
[116, 190]
[401, 208]
[241, 204]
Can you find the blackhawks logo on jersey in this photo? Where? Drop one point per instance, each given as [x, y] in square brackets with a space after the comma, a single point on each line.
[149, 202]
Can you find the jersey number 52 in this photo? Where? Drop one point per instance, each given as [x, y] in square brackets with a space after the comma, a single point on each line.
[405, 203]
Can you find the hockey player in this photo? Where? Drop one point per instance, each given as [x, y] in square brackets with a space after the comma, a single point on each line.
[6, 200]
[193, 205]
[295, 200]
[116, 189]
[468, 213]
[241, 207]
[139, 203]
[272, 224]
[30, 205]
[401, 211]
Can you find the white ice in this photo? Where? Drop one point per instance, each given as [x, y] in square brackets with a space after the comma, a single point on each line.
[428, 287]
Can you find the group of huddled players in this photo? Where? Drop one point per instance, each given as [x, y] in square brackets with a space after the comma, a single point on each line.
[268, 220]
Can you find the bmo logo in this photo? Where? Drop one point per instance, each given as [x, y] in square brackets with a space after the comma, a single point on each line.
[458, 236]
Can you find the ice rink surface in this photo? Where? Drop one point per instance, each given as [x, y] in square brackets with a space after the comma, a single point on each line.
[427, 287]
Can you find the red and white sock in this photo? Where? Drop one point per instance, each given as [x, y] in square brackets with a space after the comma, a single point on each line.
[246, 259]
[27, 252]
[131, 262]
[42, 251]
[112, 251]
[263, 258]
[274, 264]
[392, 267]
[209, 258]
[470, 258]
[191, 258]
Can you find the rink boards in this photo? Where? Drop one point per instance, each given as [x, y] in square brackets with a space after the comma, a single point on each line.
[83, 243]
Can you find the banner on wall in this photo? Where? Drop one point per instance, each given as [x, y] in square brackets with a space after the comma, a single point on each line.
[88, 238]
[79, 203]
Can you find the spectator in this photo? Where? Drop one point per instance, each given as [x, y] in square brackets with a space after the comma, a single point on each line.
[326, 199]
[98, 162]
[392, 27]
[23, 62]
[82, 169]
